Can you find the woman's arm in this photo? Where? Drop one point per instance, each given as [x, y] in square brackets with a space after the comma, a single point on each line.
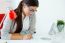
[6, 28]
[32, 24]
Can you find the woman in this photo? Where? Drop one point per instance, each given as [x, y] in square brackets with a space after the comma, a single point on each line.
[23, 26]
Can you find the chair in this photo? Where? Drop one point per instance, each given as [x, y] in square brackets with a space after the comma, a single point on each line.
[2, 16]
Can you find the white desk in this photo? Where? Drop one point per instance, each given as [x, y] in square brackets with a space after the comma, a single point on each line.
[41, 38]
[59, 38]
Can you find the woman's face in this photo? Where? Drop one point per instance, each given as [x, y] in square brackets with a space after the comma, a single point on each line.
[28, 10]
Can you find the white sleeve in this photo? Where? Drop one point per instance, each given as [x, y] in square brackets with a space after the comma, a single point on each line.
[32, 28]
[5, 32]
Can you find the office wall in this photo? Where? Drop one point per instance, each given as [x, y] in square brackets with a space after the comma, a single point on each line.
[4, 6]
[49, 11]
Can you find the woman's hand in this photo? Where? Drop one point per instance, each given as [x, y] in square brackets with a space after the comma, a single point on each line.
[16, 36]
[27, 37]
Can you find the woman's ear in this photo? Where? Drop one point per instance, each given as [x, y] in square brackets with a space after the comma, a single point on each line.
[12, 15]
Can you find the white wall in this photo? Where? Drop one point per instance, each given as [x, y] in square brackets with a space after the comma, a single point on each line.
[48, 12]
[4, 6]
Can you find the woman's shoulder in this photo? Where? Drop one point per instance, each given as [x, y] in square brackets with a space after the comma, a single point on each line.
[12, 15]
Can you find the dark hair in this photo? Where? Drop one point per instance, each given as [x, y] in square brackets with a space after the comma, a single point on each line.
[31, 2]
[18, 12]
[60, 22]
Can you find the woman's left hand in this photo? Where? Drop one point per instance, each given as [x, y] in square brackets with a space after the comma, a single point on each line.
[27, 37]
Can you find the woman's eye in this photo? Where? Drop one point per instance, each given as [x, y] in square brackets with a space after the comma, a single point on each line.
[33, 10]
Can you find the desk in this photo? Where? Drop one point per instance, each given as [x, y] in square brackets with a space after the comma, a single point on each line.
[59, 38]
[41, 38]
[27, 41]
[36, 39]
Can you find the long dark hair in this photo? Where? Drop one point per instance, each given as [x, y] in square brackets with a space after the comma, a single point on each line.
[18, 12]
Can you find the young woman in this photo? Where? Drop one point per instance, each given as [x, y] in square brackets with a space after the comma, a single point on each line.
[23, 26]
